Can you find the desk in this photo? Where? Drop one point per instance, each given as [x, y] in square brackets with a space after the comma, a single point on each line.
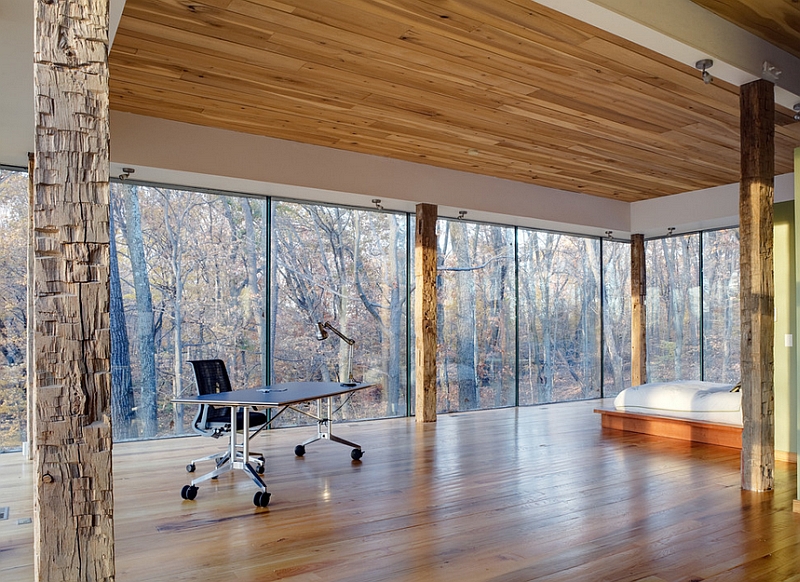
[282, 397]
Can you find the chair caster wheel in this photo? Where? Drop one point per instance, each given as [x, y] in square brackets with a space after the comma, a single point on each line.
[261, 498]
[356, 454]
[299, 450]
[189, 492]
[261, 468]
[190, 468]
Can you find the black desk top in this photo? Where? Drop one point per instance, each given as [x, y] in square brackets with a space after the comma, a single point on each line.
[275, 395]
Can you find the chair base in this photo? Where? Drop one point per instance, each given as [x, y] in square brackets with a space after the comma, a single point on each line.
[223, 457]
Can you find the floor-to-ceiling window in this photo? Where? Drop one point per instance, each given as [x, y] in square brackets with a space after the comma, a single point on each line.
[189, 276]
[559, 317]
[673, 308]
[616, 316]
[721, 330]
[202, 274]
[475, 360]
[13, 318]
[346, 267]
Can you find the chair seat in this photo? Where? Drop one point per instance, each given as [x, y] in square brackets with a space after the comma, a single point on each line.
[256, 419]
[222, 416]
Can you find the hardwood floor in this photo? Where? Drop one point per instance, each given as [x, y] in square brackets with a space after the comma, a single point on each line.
[535, 493]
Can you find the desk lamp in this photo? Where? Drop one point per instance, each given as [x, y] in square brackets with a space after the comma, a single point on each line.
[322, 334]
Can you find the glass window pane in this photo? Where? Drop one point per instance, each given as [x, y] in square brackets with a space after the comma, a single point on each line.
[559, 331]
[721, 330]
[346, 267]
[616, 317]
[673, 308]
[476, 342]
[190, 268]
[13, 308]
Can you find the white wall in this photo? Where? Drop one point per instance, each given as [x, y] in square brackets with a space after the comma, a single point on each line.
[190, 155]
[702, 209]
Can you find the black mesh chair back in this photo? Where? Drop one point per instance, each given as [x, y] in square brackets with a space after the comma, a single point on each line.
[212, 378]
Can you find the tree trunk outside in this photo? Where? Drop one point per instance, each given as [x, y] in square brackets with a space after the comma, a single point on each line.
[176, 267]
[122, 403]
[145, 333]
[676, 300]
[252, 279]
[544, 253]
[590, 328]
[465, 321]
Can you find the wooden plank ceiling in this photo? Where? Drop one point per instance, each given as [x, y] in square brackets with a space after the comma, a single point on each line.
[504, 88]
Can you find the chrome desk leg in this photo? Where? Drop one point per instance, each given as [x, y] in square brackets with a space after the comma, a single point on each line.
[244, 463]
[324, 432]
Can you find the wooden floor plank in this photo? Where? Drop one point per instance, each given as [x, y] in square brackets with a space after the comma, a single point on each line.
[534, 493]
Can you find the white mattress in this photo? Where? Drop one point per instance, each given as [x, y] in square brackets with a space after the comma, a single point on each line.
[690, 399]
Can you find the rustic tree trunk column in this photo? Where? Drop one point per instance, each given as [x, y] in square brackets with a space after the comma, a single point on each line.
[757, 121]
[425, 311]
[30, 314]
[73, 503]
[638, 311]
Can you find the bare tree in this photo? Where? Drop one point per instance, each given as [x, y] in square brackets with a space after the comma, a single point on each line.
[145, 332]
[122, 402]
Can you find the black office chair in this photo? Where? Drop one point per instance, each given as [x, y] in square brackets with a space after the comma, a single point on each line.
[211, 421]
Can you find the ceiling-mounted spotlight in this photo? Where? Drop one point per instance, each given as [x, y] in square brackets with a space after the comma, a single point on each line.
[609, 233]
[126, 173]
[461, 214]
[797, 111]
[377, 203]
[770, 72]
[703, 65]
[670, 230]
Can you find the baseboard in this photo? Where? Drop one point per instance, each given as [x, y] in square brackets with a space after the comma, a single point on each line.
[786, 456]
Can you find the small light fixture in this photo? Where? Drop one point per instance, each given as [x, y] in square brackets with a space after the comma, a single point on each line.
[770, 72]
[703, 65]
[671, 230]
[126, 173]
[377, 203]
[797, 111]
[609, 233]
[461, 214]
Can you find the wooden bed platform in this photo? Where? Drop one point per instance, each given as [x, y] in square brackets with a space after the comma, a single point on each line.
[726, 435]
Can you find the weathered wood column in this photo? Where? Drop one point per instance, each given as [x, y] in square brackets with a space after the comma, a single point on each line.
[638, 311]
[29, 312]
[425, 311]
[756, 293]
[73, 504]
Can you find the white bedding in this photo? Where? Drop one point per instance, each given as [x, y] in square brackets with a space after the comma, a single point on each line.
[690, 399]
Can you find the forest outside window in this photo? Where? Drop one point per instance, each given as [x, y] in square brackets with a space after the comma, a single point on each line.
[201, 275]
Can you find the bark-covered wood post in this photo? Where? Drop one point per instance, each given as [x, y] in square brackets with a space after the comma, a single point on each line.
[30, 314]
[425, 311]
[757, 287]
[73, 502]
[638, 311]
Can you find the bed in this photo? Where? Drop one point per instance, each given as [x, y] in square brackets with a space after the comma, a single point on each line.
[696, 411]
